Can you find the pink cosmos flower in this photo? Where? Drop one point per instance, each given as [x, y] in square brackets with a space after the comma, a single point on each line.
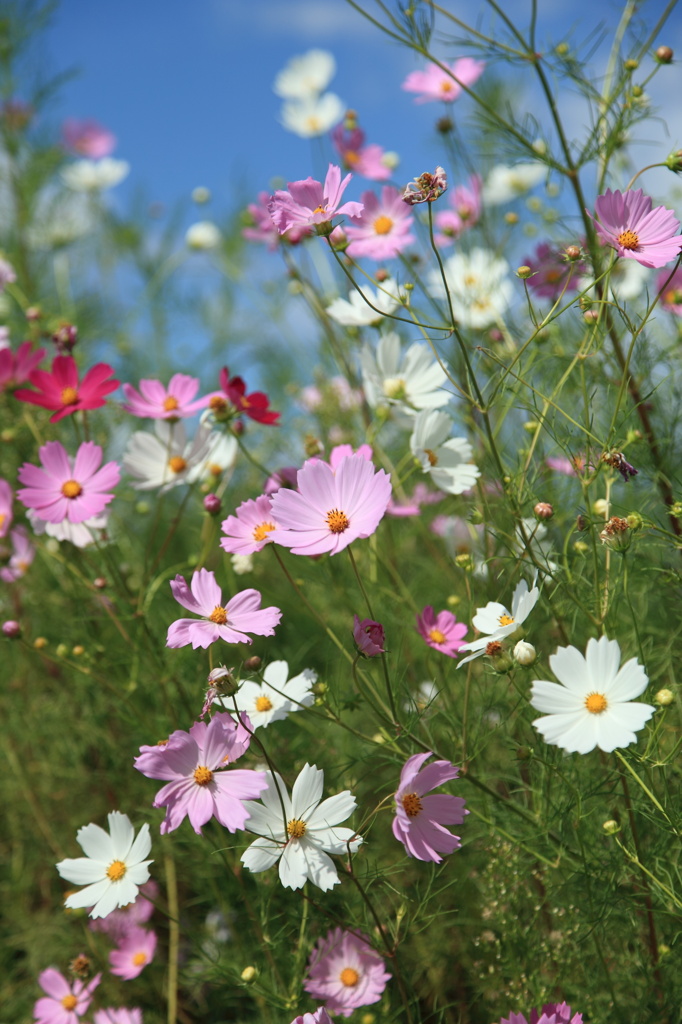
[419, 820]
[309, 203]
[331, 507]
[59, 388]
[135, 950]
[345, 972]
[320, 1016]
[367, 161]
[23, 553]
[552, 272]
[464, 212]
[383, 229]
[551, 1013]
[118, 1016]
[671, 297]
[200, 786]
[436, 84]
[68, 489]
[156, 402]
[369, 637]
[227, 622]
[88, 138]
[256, 405]
[287, 476]
[64, 1003]
[16, 367]
[263, 228]
[413, 506]
[6, 510]
[123, 920]
[250, 528]
[7, 274]
[442, 632]
[627, 223]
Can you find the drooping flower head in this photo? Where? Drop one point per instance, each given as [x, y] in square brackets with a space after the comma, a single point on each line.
[443, 83]
[345, 972]
[308, 202]
[442, 631]
[228, 622]
[135, 950]
[369, 637]
[60, 390]
[627, 222]
[426, 187]
[382, 231]
[420, 820]
[113, 868]
[331, 508]
[62, 488]
[154, 401]
[65, 1002]
[593, 706]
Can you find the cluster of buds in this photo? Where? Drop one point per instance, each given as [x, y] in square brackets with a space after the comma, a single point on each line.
[65, 338]
[426, 188]
[616, 460]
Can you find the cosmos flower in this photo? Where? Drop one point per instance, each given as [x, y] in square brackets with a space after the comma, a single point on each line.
[356, 311]
[497, 623]
[88, 138]
[157, 402]
[552, 273]
[627, 222]
[479, 287]
[62, 488]
[670, 288]
[6, 510]
[16, 367]
[369, 161]
[255, 405]
[23, 553]
[300, 831]
[444, 458]
[273, 699]
[60, 390]
[308, 202]
[465, 211]
[135, 950]
[113, 868]
[120, 922]
[95, 175]
[369, 637]
[65, 1002]
[81, 535]
[382, 231]
[345, 972]
[420, 820]
[320, 1016]
[442, 632]
[332, 507]
[203, 236]
[437, 84]
[312, 116]
[306, 75]
[166, 459]
[409, 382]
[593, 705]
[250, 528]
[219, 622]
[551, 1013]
[262, 228]
[506, 183]
[120, 1015]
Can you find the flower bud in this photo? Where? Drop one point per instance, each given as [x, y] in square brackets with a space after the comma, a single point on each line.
[499, 656]
[611, 827]
[201, 195]
[381, 274]
[453, 600]
[600, 507]
[78, 650]
[524, 753]
[253, 663]
[524, 653]
[369, 637]
[100, 582]
[39, 643]
[511, 217]
[33, 313]
[464, 561]
[590, 316]
[524, 272]
[11, 629]
[573, 252]
[580, 547]
[65, 338]
[664, 55]
[61, 650]
[444, 125]
[249, 974]
[631, 65]
[543, 510]
[212, 504]
[664, 698]
[635, 521]
[674, 161]
[222, 680]
[203, 236]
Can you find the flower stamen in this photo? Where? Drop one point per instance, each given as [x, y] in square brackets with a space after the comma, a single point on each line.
[382, 225]
[349, 977]
[71, 488]
[202, 775]
[263, 704]
[69, 396]
[116, 870]
[218, 615]
[296, 828]
[337, 521]
[596, 703]
[176, 463]
[628, 240]
[437, 636]
[262, 530]
[412, 805]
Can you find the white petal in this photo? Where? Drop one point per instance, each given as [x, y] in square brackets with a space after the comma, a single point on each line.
[618, 726]
[96, 843]
[81, 870]
[141, 846]
[320, 869]
[307, 791]
[332, 810]
[573, 732]
[603, 658]
[122, 835]
[261, 855]
[555, 699]
[336, 840]
[293, 866]
[630, 682]
[569, 666]
[88, 896]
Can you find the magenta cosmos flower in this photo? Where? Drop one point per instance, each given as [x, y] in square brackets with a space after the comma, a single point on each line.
[154, 401]
[367, 161]
[135, 950]
[249, 529]
[59, 388]
[64, 1003]
[670, 288]
[627, 223]
[62, 489]
[309, 203]
[120, 1015]
[320, 1016]
[442, 632]
[438, 84]
[383, 229]
[369, 637]
[17, 367]
[200, 784]
[219, 622]
[345, 972]
[263, 229]
[465, 211]
[551, 1013]
[88, 138]
[331, 507]
[419, 822]
[552, 273]
[234, 400]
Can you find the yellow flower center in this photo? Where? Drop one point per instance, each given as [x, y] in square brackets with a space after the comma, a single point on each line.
[177, 463]
[554, 275]
[596, 703]
[412, 805]
[71, 488]
[262, 530]
[382, 225]
[351, 157]
[349, 977]
[446, 85]
[69, 1002]
[673, 297]
[214, 469]
[69, 396]
[170, 403]
[319, 209]
[505, 620]
[3, 516]
[628, 240]
[436, 636]
[296, 828]
[139, 959]
[202, 775]
[217, 403]
[337, 521]
[116, 870]
[394, 387]
[218, 615]
[263, 704]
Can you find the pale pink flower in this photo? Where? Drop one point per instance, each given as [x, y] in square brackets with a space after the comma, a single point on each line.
[442, 632]
[369, 637]
[383, 229]
[437, 84]
[331, 507]
[63, 488]
[59, 388]
[552, 273]
[464, 213]
[65, 1003]
[219, 622]
[671, 295]
[345, 972]
[412, 506]
[154, 401]
[627, 223]
[250, 528]
[7, 274]
[320, 1016]
[6, 510]
[420, 820]
[135, 950]
[111, 1015]
[309, 203]
[367, 161]
[88, 138]
[551, 1013]
[16, 367]
[264, 229]
[125, 919]
[23, 553]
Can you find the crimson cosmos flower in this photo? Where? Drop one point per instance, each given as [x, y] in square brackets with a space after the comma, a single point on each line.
[60, 390]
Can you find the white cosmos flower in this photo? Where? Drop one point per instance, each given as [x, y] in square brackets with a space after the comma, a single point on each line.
[592, 706]
[305, 75]
[299, 831]
[203, 235]
[274, 698]
[479, 286]
[355, 312]
[506, 183]
[113, 867]
[314, 116]
[221, 450]
[446, 459]
[166, 458]
[408, 382]
[81, 535]
[95, 175]
[497, 623]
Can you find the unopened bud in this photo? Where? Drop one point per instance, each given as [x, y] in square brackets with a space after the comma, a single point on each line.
[611, 827]
[511, 217]
[674, 161]
[201, 195]
[61, 650]
[312, 446]
[581, 523]
[635, 521]
[100, 582]
[253, 663]
[590, 316]
[664, 55]
[78, 650]
[631, 65]
[248, 974]
[524, 653]
[81, 966]
[600, 507]
[453, 600]
[580, 547]
[212, 504]
[381, 274]
[543, 510]
[464, 561]
[664, 698]
[11, 629]
[222, 680]
[573, 252]
[39, 643]
[444, 125]
[524, 272]
[319, 689]
[33, 313]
